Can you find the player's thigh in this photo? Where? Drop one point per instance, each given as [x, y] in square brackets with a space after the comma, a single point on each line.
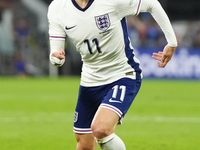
[85, 141]
[120, 96]
[88, 102]
[104, 122]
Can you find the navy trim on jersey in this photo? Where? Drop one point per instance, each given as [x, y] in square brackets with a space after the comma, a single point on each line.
[129, 52]
[82, 9]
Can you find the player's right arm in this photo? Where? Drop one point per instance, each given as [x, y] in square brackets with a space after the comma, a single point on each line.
[134, 7]
[57, 54]
[158, 13]
[56, 36]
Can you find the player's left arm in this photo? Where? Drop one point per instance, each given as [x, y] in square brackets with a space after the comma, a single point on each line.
[158, 13]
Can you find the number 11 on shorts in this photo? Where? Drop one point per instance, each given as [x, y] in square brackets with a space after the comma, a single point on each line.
[116, 89]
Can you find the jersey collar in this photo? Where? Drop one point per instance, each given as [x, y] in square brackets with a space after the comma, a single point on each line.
[82, 9]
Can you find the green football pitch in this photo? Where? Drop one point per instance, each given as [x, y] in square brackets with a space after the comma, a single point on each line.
[37, 114]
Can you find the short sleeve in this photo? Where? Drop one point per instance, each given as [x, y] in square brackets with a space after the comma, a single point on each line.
[55, 30]
[128, 7]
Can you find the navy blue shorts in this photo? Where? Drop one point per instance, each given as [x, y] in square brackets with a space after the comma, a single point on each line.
[117, 96]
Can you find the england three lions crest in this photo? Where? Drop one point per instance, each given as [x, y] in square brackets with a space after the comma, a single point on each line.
[102, 22]
[75, 116]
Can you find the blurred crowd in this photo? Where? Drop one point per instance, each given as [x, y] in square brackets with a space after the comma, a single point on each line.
[144, 32]
[24, 48]
[23, 42]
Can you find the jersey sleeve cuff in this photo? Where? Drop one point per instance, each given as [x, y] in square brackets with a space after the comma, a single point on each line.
[57, 37]
[172, 45]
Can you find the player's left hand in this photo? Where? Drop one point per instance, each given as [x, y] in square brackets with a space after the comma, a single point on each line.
[165, 56]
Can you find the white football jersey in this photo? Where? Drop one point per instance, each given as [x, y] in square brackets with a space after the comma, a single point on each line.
[99, 33]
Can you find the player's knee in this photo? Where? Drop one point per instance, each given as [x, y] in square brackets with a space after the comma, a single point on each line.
[100, 131]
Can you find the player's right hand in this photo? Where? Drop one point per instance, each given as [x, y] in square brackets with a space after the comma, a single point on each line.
[165, 56]
[58, 58]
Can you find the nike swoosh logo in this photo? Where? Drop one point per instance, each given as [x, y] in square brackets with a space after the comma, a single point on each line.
[110, 100]
[69, 27]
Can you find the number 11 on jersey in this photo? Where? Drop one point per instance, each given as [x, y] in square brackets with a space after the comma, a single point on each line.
[95, 40]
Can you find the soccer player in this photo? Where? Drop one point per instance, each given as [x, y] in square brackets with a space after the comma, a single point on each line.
[111, 74]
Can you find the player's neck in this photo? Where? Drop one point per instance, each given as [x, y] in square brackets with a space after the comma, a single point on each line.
[82, 3]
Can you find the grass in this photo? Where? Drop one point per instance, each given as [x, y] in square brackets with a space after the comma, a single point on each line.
[37, 114]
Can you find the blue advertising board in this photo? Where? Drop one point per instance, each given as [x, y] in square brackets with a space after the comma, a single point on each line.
[185, 64]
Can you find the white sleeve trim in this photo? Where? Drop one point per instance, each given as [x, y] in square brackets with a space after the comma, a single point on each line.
[158, 13]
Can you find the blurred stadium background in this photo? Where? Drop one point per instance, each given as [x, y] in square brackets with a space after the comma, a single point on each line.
[24, 46]
[36, 112]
